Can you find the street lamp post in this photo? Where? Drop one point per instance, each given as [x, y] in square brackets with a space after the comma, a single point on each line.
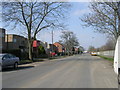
[52, 36]
[92, 43]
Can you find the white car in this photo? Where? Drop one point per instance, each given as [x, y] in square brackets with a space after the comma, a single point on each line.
[9, 60]
[117, 59]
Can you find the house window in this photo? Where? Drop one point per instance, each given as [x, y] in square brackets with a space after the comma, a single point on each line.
[0, 47]
[23, 42]
[14, 40]
[2, 35]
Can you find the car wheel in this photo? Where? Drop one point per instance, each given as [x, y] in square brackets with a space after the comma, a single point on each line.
[15, 65]
[118, 86]
[118, 80]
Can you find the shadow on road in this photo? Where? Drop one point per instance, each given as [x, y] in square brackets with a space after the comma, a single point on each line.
[19, 68]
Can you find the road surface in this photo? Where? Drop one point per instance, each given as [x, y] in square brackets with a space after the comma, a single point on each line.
[79, 71]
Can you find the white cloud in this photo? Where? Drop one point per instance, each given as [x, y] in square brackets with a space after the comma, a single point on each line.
[46, 36]
[81, 12]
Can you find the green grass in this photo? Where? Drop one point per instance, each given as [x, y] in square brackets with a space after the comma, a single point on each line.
[39, 60]
[107, 58]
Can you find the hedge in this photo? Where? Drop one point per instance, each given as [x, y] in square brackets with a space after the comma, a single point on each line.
[17, 53]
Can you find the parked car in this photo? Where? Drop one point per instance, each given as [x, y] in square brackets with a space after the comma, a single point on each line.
[9, 60]
[93, 53]
[52, 54]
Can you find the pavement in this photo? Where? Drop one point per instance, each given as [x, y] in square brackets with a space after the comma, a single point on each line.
[79, 71]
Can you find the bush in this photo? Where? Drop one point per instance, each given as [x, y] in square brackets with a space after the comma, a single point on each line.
[41, 50]
[16, 52]
[43, 56]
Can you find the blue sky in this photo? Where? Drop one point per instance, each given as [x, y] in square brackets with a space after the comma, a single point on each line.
[84, 35]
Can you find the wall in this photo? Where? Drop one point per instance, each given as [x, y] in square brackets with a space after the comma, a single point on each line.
[106, 53]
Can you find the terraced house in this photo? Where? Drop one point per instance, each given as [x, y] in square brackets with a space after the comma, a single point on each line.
[15, 42]
[2, 39]
[60, 47]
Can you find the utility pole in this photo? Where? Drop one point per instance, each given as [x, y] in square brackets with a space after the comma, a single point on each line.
[52, 36]
[52, 41]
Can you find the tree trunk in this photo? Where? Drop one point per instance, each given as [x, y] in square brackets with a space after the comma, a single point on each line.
[30, 50]
[30, 44]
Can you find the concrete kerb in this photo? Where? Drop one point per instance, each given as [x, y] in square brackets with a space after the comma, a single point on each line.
[44, 60]
[33, 63]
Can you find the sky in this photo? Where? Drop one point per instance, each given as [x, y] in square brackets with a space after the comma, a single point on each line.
[86, 36]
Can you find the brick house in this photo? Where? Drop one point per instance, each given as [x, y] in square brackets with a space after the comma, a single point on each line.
[15, 42]
[36, 44]
[52, 48]
[61, 48]
[76, 50]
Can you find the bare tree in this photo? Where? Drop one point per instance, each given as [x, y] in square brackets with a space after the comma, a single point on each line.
[104, 18]
[91, 49]
[34, 16]
[110, 45]
[69, 40]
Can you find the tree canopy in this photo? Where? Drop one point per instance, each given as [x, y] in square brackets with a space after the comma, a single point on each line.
[69, 40]
[104, 18]
[34, 17]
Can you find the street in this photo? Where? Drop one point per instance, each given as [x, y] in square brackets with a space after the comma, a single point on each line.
[78, 71]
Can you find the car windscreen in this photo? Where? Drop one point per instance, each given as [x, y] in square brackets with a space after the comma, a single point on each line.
[1, 55]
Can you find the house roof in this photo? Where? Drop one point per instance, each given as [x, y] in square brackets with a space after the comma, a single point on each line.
[17, 35]
[2, 29]
[59, 43]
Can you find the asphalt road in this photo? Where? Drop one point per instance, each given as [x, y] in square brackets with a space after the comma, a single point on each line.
[80, 71]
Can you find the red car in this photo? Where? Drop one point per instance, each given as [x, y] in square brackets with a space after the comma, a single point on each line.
[52, 54]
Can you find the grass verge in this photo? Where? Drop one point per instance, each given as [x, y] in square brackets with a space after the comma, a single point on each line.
[30, 61]
[107, 58]
[25, 61]
[39, 60]
[58, 57]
